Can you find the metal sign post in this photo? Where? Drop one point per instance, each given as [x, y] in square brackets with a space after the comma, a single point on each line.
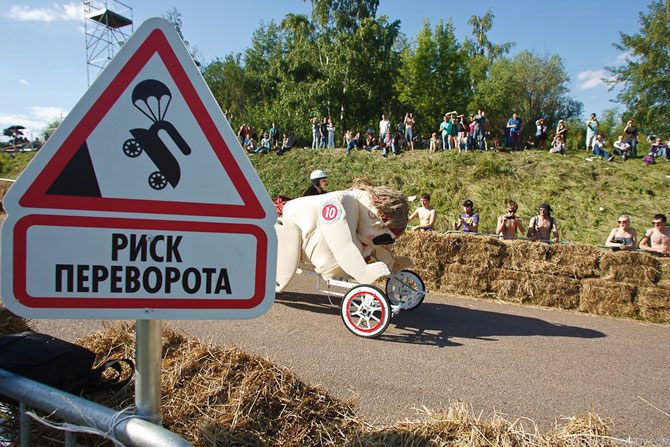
[148, 364]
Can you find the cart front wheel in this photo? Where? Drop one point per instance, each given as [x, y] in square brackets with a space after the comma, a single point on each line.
[157, 180]
[366, 311]
[132, 148]
[405, 288]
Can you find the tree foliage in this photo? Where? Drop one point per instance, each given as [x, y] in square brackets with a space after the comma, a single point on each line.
[645, 77]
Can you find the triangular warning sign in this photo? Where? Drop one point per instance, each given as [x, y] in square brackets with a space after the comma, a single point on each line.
[147, 137]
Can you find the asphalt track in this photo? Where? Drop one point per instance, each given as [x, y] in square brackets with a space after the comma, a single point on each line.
[523, 362]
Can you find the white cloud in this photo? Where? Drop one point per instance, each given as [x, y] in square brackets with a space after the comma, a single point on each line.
[591, 79]
[35, 121]
[56, 12]
[24, 82]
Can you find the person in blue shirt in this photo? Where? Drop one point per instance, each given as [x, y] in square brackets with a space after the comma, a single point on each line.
[515, 124]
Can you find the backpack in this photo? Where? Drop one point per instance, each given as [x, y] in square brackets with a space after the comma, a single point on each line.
[59, 364]
[649, 160]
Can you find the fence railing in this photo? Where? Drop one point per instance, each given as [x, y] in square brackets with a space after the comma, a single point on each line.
[81, 416]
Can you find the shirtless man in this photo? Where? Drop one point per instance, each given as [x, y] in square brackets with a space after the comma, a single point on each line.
[657, 239]
[542, 226]
[426, 214]
[510, 223]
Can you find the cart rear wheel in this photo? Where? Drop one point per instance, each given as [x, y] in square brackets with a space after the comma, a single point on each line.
[407, 288]
[132, 148]
[157, 180]
[366, 311]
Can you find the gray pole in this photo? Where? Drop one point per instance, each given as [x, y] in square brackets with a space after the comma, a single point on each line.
[148, 376]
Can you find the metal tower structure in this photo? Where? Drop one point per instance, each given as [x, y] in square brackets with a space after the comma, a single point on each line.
[106, 29]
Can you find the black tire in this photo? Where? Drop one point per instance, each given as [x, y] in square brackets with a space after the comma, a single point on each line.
[366, 311]
[398, 291]
[132, 148]
[157, 180]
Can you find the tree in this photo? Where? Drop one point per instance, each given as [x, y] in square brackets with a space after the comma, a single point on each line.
[645, 77]
[434, 77]
[51, 128]
[532, 86]
[15, 134]
[174, 17]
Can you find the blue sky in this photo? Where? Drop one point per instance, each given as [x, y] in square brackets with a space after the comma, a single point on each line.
[44, 65]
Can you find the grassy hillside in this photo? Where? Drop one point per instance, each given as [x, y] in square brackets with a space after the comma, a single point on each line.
[577, 189]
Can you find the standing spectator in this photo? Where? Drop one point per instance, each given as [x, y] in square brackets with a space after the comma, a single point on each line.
[599, 149]
[434, 143]
[453, 131]
[274, 135]
[631, 136]
[444, 127]
[657, 239]
[622, 148]
[409, 126]
[243, 133]
[350, 141]
[331, 134]
[515, 125]
[462, 133]
[591, 131]
[469, 220]
[390, 142]
[480, 130]
[510, 223]
[471, 133]
[426, 214]
[562, 130]
[540, 133]
[316, 132]
[323, 133]
[622, 237]
[384, 128]
[543, 225]
[558, 145]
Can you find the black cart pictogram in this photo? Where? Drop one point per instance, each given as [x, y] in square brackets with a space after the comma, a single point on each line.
[148, 97]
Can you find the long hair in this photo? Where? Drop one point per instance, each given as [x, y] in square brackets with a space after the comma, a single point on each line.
[390, 203]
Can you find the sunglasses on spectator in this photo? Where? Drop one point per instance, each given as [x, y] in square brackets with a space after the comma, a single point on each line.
[658, 222]
[623, 221]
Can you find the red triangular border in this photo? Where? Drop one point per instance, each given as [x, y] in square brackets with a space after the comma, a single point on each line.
[36, 197]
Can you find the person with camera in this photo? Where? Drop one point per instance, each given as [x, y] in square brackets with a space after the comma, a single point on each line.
[510, 223]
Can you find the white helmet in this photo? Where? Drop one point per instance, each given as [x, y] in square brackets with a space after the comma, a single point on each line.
[317, 174]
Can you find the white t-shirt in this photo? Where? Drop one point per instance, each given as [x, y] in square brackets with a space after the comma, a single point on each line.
[384, 126]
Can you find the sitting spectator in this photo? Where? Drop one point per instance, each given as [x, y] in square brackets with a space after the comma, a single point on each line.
[266, 144]
[623, 237]
[350, 141]
[657, 240]
[469, 220]
[543, 225]
[599, 149]
[434, 143]
[390, 142]
[658, 149]
[251, 145]
[530, 143]
[558, 145]
[622, 148]
[287, 143]
[510, 223]
[425, 213]
[496, 145]
[561, 129]
[370, 143]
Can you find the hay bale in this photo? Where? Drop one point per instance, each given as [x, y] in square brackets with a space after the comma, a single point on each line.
[464, 280]
[480, 251]
[526, 256]
[654, 303]
[510, 285]
[536, 288]
[428, 250]
[574, 260]
[12, 324]
[603, 297]
[664, 264]
[630, 267]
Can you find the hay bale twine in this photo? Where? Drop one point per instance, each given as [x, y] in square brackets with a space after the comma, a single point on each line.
[654, 303]
[574, 260]
[603, 297]
[526, 256]
[630, 267]
[464, 280]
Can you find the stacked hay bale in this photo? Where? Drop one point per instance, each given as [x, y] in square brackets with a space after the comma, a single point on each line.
[571, 276]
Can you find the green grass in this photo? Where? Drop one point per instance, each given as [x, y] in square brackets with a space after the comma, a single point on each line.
[575, 188]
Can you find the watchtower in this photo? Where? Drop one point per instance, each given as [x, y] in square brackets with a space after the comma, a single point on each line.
[106, 28]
